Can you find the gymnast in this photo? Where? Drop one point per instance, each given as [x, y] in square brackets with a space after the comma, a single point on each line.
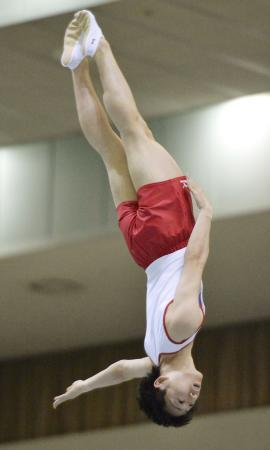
[153, 200]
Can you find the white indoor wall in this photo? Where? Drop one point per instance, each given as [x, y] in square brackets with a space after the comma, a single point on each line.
[51, 192]
[58, 190]
[226, 148]
[81, 191]
[25, 180]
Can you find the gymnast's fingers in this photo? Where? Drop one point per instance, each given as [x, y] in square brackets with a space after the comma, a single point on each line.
[59, 399]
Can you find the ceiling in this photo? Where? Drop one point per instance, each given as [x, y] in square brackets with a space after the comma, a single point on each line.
[110, 306]
[177, 55]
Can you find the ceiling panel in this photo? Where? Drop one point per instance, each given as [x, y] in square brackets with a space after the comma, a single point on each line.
[177, 55]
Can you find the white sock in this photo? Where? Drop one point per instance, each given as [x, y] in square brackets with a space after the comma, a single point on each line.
[93, 36]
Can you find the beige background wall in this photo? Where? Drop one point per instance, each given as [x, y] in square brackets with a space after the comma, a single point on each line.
[238, 430]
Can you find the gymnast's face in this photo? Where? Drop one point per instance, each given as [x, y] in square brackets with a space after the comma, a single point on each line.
[182, 391]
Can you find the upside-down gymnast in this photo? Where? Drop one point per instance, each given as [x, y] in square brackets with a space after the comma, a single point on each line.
[153, 200]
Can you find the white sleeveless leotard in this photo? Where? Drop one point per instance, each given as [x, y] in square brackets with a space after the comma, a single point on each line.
[163, 276]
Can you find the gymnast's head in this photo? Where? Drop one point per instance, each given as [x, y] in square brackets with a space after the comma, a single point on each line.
[170, 399]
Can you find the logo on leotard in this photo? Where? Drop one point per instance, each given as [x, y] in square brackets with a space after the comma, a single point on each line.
[184, 183]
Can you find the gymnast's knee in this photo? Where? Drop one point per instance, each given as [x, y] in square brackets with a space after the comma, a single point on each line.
[136, 127]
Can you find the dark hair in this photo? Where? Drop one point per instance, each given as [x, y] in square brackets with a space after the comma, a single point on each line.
[152, 402]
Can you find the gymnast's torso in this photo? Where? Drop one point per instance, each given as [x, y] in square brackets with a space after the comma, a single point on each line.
[163, 276]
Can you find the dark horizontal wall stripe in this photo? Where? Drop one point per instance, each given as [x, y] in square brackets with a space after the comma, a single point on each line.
[233, 359]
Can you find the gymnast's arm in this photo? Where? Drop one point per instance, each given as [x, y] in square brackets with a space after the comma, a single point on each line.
[116, 373]
[185, 311]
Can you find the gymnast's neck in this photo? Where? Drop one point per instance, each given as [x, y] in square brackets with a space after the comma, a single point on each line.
[182, 360]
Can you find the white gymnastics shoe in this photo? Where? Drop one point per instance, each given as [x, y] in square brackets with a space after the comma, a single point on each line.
[81, 39]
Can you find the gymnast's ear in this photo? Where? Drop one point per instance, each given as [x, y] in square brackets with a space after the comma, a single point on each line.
[158, 383]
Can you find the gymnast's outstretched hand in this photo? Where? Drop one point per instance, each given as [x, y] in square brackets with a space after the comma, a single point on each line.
[77, 388]
[113, 374]
[198, 194]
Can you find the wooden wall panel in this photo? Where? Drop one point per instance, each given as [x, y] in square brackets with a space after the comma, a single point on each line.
[235, 361]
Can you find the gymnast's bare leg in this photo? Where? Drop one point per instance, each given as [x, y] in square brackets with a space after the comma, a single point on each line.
[148, 161]
[99, 133]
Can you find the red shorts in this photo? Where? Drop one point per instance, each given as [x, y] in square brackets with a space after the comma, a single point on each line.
[159, 222]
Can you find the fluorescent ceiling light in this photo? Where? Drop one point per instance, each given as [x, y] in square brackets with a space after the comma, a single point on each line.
[17, 11]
